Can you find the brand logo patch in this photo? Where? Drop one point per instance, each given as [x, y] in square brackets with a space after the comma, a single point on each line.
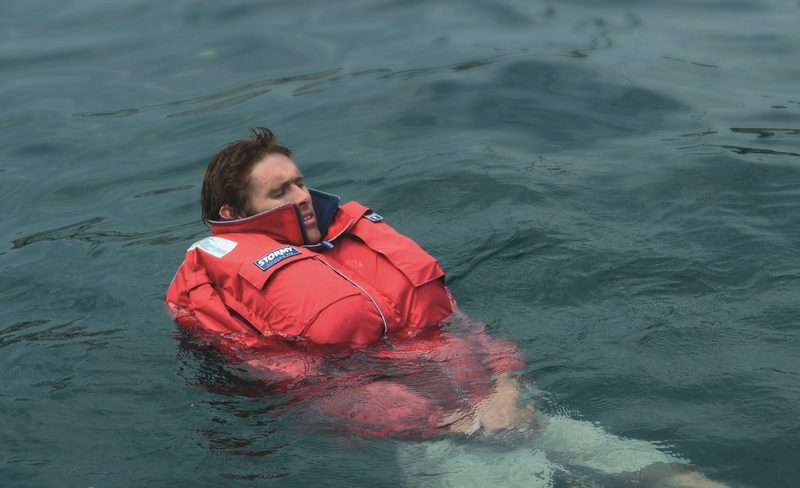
[373, 217]
[271, 259]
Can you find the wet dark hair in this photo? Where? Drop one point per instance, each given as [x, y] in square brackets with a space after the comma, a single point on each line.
[228, 173]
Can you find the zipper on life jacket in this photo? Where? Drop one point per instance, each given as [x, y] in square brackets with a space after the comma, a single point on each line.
[328, 243]
[383, 318]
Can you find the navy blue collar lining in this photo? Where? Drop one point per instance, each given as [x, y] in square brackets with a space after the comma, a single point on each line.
[325, 207]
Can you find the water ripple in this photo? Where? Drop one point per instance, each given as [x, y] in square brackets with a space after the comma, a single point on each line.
[162, 191]
[73, 231]
[319, 80]
[85, 231]
[754, 150]
[55, 385]
[404, 74]
[704, 65]
[222, 99]
[59, 334]
[766, 132]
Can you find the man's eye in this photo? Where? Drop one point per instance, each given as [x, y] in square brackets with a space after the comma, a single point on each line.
[277, 193]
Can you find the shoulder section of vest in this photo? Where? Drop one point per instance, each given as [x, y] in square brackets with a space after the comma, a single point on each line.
[216, 246]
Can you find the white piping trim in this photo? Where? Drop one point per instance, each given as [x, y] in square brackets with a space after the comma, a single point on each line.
[385, 325]
[252, 217]
[345, 229]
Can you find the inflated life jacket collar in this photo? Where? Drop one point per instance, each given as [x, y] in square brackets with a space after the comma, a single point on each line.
[325, 207]
[284, 223]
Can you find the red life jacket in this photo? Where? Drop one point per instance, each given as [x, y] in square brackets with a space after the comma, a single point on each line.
[253, 278]
[257, 293]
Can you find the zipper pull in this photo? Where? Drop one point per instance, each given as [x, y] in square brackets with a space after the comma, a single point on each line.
[327, 245]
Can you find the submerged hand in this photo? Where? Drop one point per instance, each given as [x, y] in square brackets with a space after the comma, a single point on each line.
[674, 475]
[692, 479]
[497, 412]
[501, 410]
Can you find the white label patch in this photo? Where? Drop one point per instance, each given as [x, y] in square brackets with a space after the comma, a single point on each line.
[216, 246]
[373, 217]
[276, 257]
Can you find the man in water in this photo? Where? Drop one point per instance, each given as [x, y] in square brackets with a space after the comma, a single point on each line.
[291, 282]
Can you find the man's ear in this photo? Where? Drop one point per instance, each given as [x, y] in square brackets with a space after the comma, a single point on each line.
[226, 212]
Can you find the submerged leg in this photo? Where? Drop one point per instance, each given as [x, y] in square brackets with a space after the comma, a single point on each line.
[687, 479]
[584, 444]
[450, 463]
[631, 462]
[579, 453]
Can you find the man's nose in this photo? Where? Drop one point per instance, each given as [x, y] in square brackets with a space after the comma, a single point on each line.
[300, 197]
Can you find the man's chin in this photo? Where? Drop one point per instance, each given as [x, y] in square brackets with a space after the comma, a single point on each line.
[313, 236]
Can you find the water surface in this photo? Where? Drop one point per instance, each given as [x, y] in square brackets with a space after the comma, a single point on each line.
[613, 186]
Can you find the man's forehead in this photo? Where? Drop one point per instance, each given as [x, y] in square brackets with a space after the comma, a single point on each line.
[275, 171]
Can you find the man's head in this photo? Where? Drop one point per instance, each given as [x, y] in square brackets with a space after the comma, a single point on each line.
[253, 175]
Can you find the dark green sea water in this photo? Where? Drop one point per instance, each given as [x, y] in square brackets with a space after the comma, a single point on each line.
[614, 185]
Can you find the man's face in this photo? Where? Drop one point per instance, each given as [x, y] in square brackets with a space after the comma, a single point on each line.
[275, 181]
